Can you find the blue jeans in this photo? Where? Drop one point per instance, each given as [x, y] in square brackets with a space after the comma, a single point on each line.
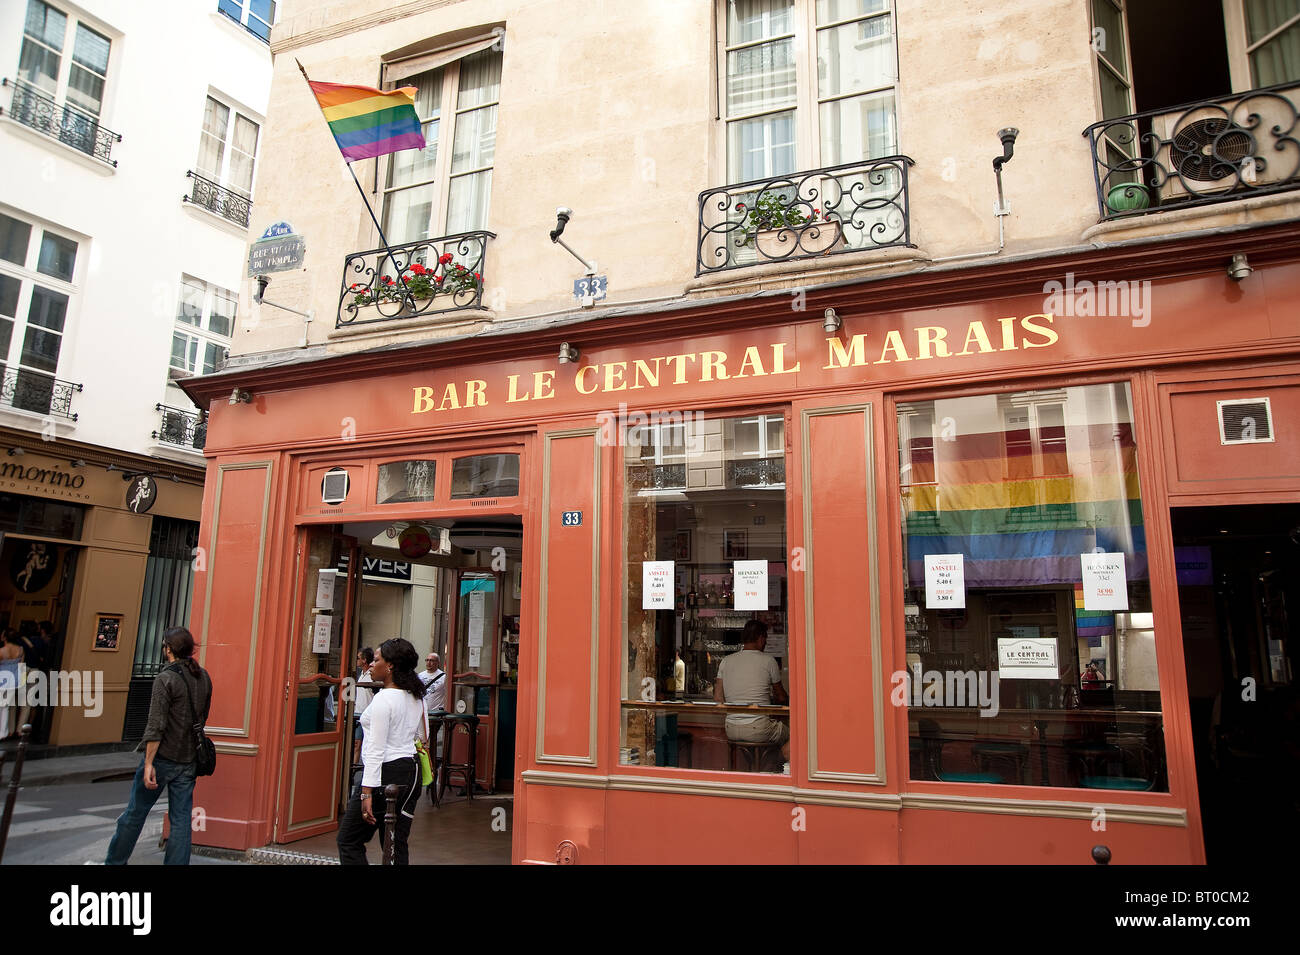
[178, 779]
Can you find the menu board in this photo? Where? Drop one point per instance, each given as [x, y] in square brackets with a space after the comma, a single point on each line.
[945, 581]
[657, 585]
[1105, 585]
[751, 584]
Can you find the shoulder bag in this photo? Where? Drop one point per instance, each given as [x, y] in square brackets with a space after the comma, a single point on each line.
[205, 752]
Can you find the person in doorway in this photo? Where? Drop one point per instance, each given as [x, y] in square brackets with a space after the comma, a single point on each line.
[389, 728]
[434, 679]
[182, 695]
[361, 698]
[751, 677]
[679, 674]
[11, 677]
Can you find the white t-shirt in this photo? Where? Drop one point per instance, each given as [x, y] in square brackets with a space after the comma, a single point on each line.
[389, 725]
[435, 697]
[747, 677]
[363, 694]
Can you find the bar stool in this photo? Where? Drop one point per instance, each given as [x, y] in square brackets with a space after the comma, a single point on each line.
[437, 723]
[932, 746]
[1013, 752]
[755, 753]
[467, 723]
[684, 741]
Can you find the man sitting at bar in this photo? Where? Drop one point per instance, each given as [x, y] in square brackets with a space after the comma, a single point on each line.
[750, 677]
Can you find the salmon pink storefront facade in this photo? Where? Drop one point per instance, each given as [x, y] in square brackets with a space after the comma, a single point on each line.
[953, 517]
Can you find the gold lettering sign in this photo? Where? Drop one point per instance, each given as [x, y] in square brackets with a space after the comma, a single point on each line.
[893, 346]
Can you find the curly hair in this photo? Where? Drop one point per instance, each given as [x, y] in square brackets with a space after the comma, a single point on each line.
[401, 656]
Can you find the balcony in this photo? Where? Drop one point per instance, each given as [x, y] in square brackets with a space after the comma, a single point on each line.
[1196, 154]
[756, 472]
[40, 394]
[69, 126]
[429, 277]
[181, 429]
[219, 200]
[852, 207]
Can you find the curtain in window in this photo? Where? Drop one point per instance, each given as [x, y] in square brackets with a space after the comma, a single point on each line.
[212, 141]
[1278, 60]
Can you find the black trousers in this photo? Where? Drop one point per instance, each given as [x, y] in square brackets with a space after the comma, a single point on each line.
[355, 832]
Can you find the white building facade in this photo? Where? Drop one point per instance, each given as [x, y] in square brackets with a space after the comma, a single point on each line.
[130, 135]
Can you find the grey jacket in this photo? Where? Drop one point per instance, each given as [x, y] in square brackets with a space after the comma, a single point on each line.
[169, 711]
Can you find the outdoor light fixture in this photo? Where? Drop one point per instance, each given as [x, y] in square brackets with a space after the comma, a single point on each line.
[239, 395]
[832, 323]
[262, 282]
[568, 353]
[562, 216]
[1239, 268]
[16, 452]
[77, 463]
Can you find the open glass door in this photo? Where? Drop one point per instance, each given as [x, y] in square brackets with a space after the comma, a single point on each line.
[311, 790]
[474, 670]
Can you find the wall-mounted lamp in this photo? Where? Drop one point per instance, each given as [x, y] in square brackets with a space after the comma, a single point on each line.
[832, 322]
[16, 452]
[262, 281]
[77, 463]
[562, 216]
[1239, 268]
[176, 479]
[240, 396]
[568, 353]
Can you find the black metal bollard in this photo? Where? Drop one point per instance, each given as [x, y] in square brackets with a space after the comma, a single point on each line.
[14, 778]
[391, 809]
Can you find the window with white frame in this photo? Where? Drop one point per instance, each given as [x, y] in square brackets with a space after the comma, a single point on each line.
[228, 147]
[37, 266]
[205, 320]
[255, 16]
[439, 191]
[806, 84]
[64, 58]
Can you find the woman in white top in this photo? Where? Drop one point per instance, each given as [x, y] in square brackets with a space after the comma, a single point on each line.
[389, 727]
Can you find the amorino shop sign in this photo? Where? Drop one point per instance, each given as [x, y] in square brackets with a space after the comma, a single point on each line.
[52, 482]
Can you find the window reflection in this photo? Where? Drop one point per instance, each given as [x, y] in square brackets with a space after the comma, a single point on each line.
[1045, 676]
[707, 660]
[485, 475]
[404, 481]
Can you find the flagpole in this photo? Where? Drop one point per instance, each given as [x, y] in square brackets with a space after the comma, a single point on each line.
[410, 302]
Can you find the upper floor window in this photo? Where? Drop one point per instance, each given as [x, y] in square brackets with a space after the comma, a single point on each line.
[36, 271]
[256, 16]
[782, 116]
[64, 58]
[205, 320]
[439, 191]
[228, 147]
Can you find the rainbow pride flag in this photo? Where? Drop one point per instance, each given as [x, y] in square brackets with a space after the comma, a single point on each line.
[1020, 521]
[367, 122]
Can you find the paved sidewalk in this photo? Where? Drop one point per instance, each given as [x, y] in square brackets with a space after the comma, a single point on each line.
[57, 770]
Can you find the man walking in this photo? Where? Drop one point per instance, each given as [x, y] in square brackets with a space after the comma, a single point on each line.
[182, 695]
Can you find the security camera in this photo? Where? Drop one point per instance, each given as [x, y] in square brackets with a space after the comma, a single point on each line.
[562, 216]
[262, 282]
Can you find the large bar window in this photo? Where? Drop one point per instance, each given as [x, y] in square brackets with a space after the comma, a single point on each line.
[1027, 599]
[707, 678]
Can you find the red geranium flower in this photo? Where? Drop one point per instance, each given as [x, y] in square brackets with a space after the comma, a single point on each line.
[417, 268]
[438, 279]
[477, 276]
[387, 280]
[444, 258]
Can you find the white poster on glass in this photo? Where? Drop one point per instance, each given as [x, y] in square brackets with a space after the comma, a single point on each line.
[320, 635]
[750, 577]
[325, 588]
[1105, 585]
[945, 581]
[657, 585]
[475, 619]
[1027, 659]
[475, 657]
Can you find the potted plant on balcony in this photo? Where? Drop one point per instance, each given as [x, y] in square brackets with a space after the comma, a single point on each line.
[780, 228]
[421, 283]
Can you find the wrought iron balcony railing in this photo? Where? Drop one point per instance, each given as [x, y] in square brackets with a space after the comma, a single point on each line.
[182, 429]
[847, 208]
[41, 394]
[1197, 153]
[418, 278]
[68, 125]
[656, 477]
[756, 472]
[219, 200]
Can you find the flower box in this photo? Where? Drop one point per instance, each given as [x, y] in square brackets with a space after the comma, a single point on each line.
[814, 238]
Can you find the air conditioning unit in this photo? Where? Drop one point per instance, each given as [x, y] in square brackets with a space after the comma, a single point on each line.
[1212, 149]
